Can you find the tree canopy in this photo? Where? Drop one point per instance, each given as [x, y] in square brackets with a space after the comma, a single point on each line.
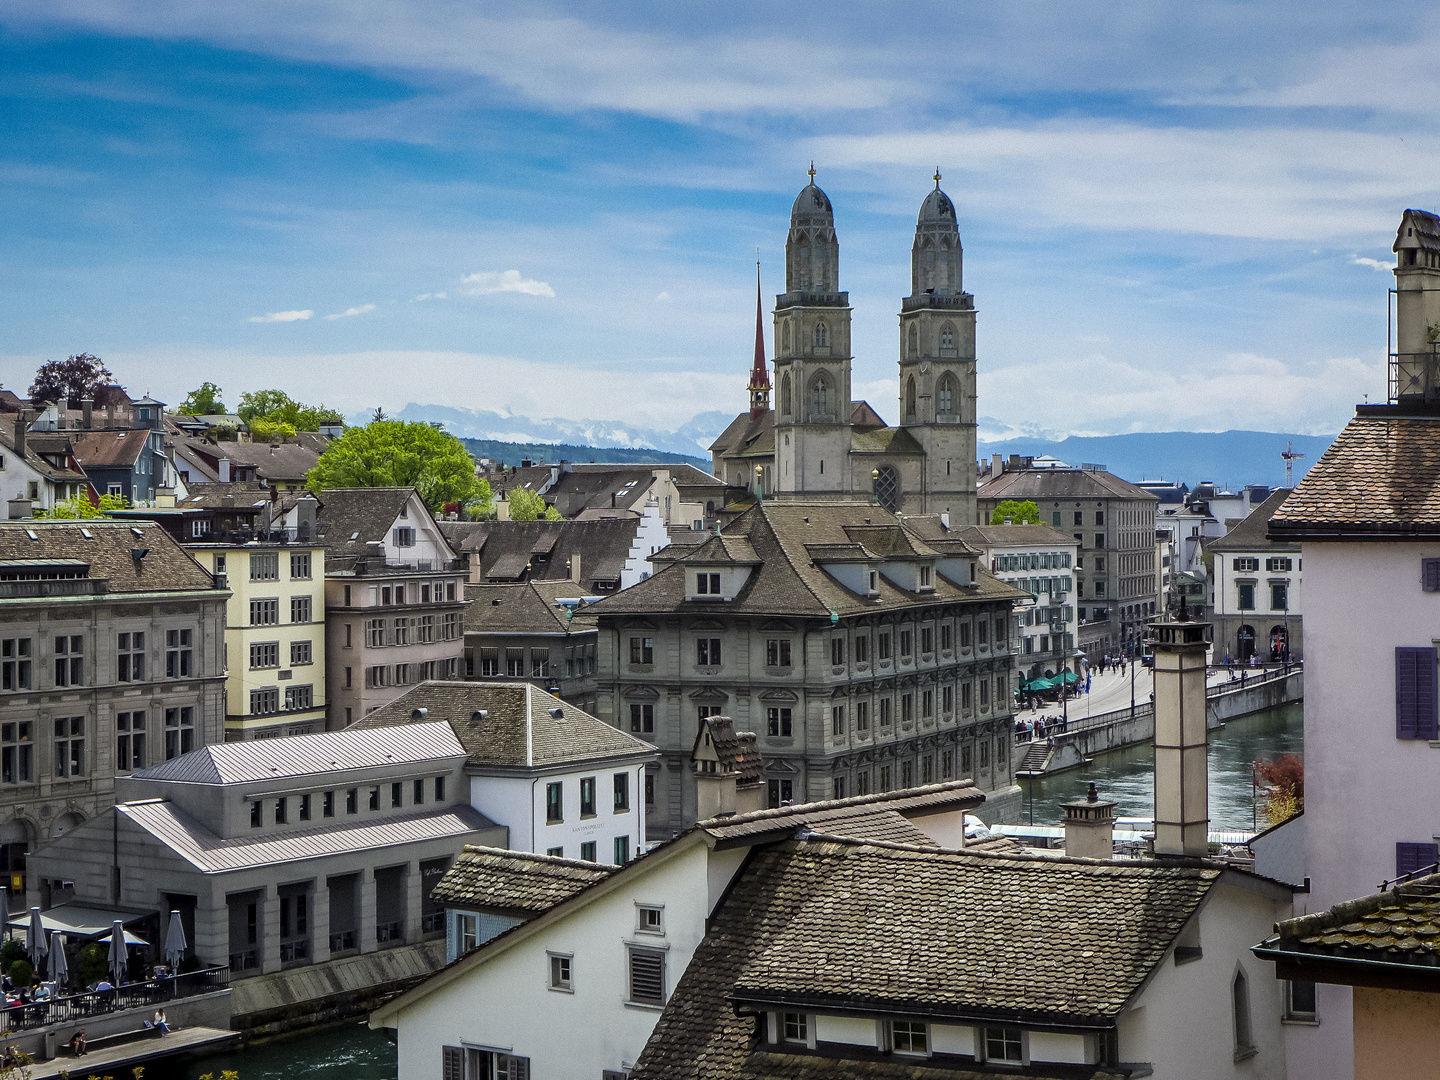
[278, 407]
[1019, 513]
[82, 508]
[400, 453]
[525, 505]
[73, 379]
[203, 402]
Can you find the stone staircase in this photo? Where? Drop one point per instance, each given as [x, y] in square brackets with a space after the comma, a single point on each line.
[1033, 760]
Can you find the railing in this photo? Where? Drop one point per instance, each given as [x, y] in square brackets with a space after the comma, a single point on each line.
[389, 931]
[298, 949]
[19, 590]
[244, 961]
[75, 1007]
[303, 535]
[342, 941]
[432, 922]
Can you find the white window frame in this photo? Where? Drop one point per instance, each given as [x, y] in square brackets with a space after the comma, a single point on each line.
[982, 1045]
[642, 926]
[555, 964]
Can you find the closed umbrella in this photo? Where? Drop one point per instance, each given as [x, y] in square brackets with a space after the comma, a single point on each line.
[117, 952]
[175, 941]
[35, 940]
[5, 908]
[59, 967]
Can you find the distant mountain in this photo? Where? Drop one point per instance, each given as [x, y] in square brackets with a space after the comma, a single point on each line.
[512, 453]
[1230, 458]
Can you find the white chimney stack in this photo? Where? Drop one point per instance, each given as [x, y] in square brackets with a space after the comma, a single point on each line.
[1182, 806]
[1090, 827]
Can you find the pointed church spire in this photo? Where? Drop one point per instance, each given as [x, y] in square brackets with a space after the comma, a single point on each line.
[759, 373]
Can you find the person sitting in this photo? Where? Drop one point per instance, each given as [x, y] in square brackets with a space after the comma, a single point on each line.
[43, 993]
[103, 985]
[160, 1024]
[77, 1044]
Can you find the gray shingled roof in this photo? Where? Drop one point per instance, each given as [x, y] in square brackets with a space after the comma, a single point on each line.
[946, 935]
[826, 815]
[1002, 535]
[514, 882]
[107, 547]
[527, 607]
[522, 727]
[1398, 928]
[506, 548]
[365, 514]
[1035, 484]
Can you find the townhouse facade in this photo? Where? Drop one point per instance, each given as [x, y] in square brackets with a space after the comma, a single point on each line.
[1258, 603]
[535, 630]
[111, 660]
[864, 658]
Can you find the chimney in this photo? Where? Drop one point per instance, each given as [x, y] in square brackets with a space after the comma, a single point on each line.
[165, 496]
[62, 409]
[477, 574]
[19, 509]
[22, 427]
[1090, 827]
[306, 510]
[997, 464]
[109, 414]
[575, 568]
[87, 410]
[1182, 808]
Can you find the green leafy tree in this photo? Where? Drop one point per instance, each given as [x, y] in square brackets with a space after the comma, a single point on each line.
[525, 505]
[399, 453]
[1021, 513]
[278, 407]
[480, 505]
[83, 509]
[74, 378]
[265, 430]
[203, 402]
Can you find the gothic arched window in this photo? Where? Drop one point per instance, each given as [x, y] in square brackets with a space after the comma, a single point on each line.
[785, 349]
[914, 342]
[947, 336]
[822, 335]
[785, 395]
[887, 488]
[910, 393]
[820, 397]
[945, 397]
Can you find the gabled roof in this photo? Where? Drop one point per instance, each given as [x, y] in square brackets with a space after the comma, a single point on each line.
[514, 882]
[887, 440]
[109, 449]
[1031, 484]
[528, 607]
[828, 923]
[738, 752]
[747, 436]
[247, 496]
[507, 550]
[1418, 229]
[1010, 535]
[108, 547]
[1252, 534]
[38, 444]
[304, 755]
[509, 725]
[351, 518]
[828, 816]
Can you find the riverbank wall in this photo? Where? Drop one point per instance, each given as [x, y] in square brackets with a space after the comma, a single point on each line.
[1084, 738]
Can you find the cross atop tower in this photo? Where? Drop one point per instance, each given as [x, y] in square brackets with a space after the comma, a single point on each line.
[812, 172]
[937, 177]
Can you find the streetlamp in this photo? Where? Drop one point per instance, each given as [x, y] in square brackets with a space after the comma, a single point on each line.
[759, 485]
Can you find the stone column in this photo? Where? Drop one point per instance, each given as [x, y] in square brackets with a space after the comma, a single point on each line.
[414, 898]
[212, 931]
[320, 921]
[269, 929]
[366, 930]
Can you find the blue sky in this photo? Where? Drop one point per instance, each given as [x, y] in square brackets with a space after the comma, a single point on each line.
[1174, 216]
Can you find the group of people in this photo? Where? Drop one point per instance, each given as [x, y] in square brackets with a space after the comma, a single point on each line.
[79, 1045]
[1039, 728]
[1112, 663]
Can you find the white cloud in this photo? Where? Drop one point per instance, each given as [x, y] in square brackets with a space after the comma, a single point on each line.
[284, 316]
[492, 281]
[663, 298]
[363, 309]
[1374, 264]
[429, 296]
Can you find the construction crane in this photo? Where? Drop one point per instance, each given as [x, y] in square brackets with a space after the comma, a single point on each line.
[1290, 457]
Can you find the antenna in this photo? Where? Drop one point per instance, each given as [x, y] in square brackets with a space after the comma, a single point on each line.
[1290, 457]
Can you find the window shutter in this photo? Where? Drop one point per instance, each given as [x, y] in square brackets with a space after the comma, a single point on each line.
[1416, 706]
[1412, 857]
[647, 974]
[1430, 575]
[452, 1063]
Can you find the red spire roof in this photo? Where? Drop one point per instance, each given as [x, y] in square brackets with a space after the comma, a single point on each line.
[759, 374]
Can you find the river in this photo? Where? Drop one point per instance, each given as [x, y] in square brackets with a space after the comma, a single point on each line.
[353, 1052]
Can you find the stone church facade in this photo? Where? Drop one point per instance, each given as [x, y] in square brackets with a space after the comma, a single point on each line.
[816, 444]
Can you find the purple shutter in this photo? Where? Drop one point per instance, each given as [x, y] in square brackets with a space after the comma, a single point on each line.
[1417, 708]
[1412, 857]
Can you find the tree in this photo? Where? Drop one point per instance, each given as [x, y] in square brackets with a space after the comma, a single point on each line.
[399, 453]
[525, 505]
[203, 402]
[81, 376]
[83, 509]
[278, 407]
[265, 430]
[1285, 794]
[1021, 513]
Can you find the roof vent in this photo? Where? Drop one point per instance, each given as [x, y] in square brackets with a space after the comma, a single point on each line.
[87, 534]
[31, 533]
[418, 714]
[137, 532]
[556, 713]
[479, 714]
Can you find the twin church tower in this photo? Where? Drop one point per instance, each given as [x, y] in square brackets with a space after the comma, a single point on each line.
[817, 444]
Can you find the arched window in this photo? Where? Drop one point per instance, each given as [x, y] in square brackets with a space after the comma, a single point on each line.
[887, 488]
[785, 395]
[910, 393]
[822, 335]
[945, 397]
[914, 342]
[786, 338]
[820, 397]
[947, 337]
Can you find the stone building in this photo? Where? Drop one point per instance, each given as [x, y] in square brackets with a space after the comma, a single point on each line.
[1113, 523]
[1257, 590]
[864, 657]
[111, 646]
[533, 630]
[817, 444]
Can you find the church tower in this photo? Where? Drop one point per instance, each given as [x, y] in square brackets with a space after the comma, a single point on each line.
[812, 357]
[937, 364]
[759, 374]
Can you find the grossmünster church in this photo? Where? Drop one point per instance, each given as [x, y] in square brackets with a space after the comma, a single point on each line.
[817, 444]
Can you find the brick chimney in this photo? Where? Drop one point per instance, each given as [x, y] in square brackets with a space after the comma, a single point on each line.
[1182, 806]
[1090, 827]
[22, 427]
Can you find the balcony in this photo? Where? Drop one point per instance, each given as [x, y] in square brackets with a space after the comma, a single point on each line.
[80, 1008]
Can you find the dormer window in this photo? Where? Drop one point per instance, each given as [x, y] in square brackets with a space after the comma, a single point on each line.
[925, 580]
[874, 581]
[707, 584]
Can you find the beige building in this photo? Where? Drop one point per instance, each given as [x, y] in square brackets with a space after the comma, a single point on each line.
[819, 445]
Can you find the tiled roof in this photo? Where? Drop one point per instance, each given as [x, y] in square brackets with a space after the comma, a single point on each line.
[1399, 926]
[166, 566]
[363, 513]
[287, 461]
[242, 495]
[522, 726]
[946, 935]
[39, 443]
[747, 436]
[1031, 484]
[769, 1062]
[506, 548]
[740, 749]
[303, 755]
[1252, 533]
[1008, 535]
[822, 816]
[514, 881]
[109, 449]
[210, 854]
[788, 581]
[527, 607]
[886, 440]
[1380, 479]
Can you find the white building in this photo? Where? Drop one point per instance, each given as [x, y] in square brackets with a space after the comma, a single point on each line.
[1256, 590]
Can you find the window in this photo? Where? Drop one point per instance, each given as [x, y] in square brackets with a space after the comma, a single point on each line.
[927, 639]
[377, 676]
[374, 633]
[777, 652]
[179, 731]
[282, 811]
[265, 701]
[1430, 575]
[707, 652]
[882, 646]
[965, 635]
[300, 610]
[862, 649]
[264, 654]
[424, 629]
[1240, 1007]
[129, 741]
[649, 919]
[837, 720]
[1278, 565]
[1245, 590]
[1004, 1045]
[907, 710]
[947, 765]
[621, 782]
[130, 662]
[886, 705]
[707, 584]
[1415, 694]
[178, 654]
[649, 788]
[642, 718]
[927, 704]
[489, 663]
[17, 752]
[539, 663]
[779, 721]
[1099, 540]
[587, 796]
[1245, 565]
[780, 792]
[352, 801]
[300, 565]
[256, 814]
[556, 852]
[264, 612]
[264, 566]
[554, 802]
[642, 650]
[404, 536]
[862, 716]
[837, 787]
[327, 804]
[560, 973]
[418, 792]
[794, 1027]
[587, 851]
[1300, 1000]
[305, 807]
[439, 789]
[375, 798]
[299, 697]
[401, 633]
[647, 976]
[622, 850]
[906, 640]
[1412, 857]
[982, 631]
[300, 654]
[70, 746]
[910, 1036]
[15, 664]
[69, 661]
[837, 651]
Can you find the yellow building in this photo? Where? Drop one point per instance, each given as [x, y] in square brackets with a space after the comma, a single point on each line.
[274, 636]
